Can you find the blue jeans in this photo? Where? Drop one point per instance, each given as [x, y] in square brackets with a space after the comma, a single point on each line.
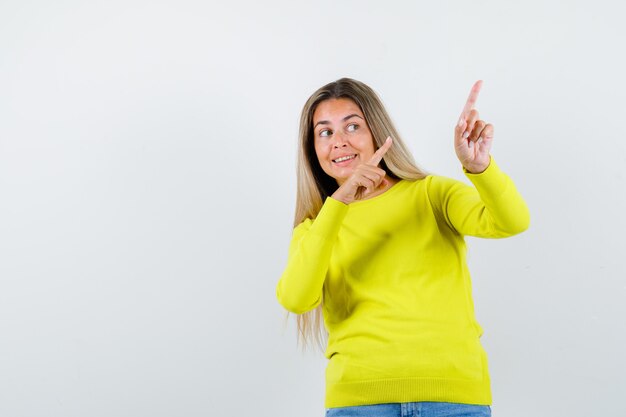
[416, 409]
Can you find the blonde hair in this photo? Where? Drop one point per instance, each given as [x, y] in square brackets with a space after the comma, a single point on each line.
[314, 185]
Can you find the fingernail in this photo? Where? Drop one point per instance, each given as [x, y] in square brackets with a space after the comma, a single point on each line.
[471, 144]
[461, 121]
[465, 135]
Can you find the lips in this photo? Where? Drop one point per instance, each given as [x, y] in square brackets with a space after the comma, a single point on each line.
[344, 159]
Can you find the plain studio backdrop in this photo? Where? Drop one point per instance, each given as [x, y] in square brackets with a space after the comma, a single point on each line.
[147, 191]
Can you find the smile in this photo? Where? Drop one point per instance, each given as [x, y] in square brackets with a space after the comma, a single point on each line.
[344, 158]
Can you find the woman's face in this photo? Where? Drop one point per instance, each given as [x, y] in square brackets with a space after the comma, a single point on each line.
[340, 132]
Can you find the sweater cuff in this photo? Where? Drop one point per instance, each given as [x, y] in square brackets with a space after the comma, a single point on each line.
[492, 178]
[330, 218]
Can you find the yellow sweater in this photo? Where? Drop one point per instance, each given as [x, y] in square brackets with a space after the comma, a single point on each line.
[397, 298]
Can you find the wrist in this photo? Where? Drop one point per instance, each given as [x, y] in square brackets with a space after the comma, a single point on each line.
[477, 168]
[338, 197]
[474, 170]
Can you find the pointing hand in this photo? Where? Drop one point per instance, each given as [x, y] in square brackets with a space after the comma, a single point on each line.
[366, 179]
[472, 136]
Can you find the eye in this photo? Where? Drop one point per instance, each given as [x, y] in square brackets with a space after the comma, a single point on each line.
[324, 133]
[352, 127]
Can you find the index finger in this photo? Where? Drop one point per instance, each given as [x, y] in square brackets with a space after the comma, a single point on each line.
[378, 155]
[473, 96]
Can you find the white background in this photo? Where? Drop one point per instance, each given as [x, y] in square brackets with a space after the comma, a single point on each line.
[147, 189]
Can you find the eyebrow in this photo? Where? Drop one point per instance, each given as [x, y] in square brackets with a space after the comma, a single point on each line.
[326, 122]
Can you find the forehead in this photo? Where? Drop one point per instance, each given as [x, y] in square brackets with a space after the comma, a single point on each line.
[335, 109]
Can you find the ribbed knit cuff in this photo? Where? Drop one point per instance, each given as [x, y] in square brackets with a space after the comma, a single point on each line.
[491, 179]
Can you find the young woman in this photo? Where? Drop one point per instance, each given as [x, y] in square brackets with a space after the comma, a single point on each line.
[378, 253]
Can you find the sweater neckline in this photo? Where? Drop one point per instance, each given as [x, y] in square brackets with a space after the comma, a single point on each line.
[394, 188]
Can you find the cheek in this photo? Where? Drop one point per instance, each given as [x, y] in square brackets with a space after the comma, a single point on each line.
[366, 145]
[321, 151]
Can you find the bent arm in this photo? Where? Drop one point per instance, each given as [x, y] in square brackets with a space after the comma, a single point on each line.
[300, 286]
[493, 209]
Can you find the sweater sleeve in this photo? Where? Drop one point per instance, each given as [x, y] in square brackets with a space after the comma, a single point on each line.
[300, 286]
[493, 209]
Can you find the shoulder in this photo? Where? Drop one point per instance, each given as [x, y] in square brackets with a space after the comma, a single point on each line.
[442, 181]
[433, 184]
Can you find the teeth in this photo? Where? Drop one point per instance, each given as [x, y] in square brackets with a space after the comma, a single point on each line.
[344, 158]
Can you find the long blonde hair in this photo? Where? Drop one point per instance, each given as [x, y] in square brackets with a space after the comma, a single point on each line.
[314, 185]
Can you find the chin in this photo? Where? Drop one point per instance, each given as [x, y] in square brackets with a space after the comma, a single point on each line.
[343, 175]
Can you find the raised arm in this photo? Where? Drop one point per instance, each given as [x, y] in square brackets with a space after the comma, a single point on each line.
[494, 208]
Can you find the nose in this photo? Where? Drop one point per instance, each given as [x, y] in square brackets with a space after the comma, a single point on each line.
[340, 140]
